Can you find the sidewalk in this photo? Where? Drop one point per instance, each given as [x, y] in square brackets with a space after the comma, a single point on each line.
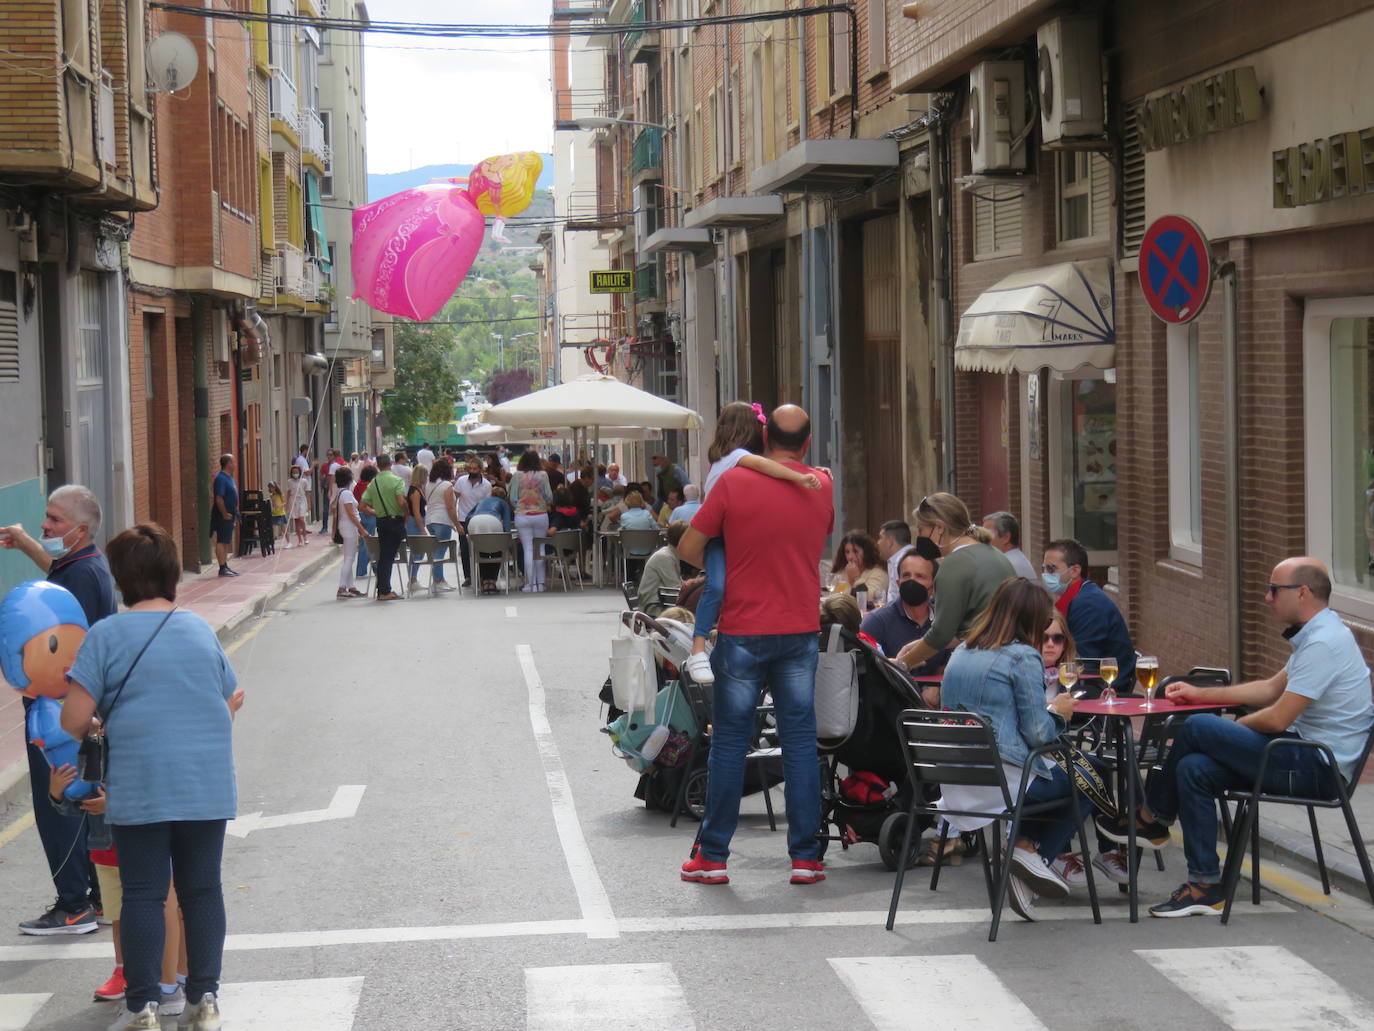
[226, 603]
[1286, 836]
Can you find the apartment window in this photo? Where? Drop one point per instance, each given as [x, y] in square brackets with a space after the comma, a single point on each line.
[310, 70]
[379, 348]
[295, 214]
[877, 37]
[764, 103]
[797, 75]
[839, 55]
[1185, 444]
[689, 157]
[76, 34]
[820, 27]
[9, 327]
[1084, 195]
[266, 202]
[327, 180]
[1338, 342]
[996, 221]
[736, 122]
[697, 152]
[134, 40]
[281, 40]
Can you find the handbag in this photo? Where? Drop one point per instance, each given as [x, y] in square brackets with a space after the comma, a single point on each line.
[837, 689]
[634, 682]
[1087, 779]
[93, 758]
[338, 507]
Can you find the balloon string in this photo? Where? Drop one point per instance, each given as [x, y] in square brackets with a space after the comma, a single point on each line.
[329, 372]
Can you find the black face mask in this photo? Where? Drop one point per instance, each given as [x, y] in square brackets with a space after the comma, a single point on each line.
[927, 549]
[913, 593]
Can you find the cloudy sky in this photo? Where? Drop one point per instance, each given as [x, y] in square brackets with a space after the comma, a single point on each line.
[436, 101]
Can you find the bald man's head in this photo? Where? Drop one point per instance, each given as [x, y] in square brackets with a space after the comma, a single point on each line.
[1308, 571]
[788, 429]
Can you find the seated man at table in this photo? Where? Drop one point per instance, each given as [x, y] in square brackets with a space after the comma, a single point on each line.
[1322, 695]
[661, 571]
[1095, 623]
[908, 618]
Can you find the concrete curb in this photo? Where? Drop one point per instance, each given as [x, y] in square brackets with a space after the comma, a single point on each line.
[14, 786]
[1295, 849]
[257, 606]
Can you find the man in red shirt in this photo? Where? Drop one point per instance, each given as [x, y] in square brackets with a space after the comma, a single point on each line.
[774, 533]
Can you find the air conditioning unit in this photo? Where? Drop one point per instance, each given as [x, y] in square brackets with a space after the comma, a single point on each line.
[997, 116]
[1070, 88]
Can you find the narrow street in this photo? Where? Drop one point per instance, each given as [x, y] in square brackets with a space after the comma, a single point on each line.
[445, 841]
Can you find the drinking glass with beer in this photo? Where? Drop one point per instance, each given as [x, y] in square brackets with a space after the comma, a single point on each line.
[1108, 670]
[1147, 674]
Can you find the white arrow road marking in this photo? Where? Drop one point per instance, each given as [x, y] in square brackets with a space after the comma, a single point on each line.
[17, 1010]
[906, 993]
[591, 998]
[343, 806]
[323, 1004]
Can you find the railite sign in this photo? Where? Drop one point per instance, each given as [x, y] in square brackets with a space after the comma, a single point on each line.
[614, 282]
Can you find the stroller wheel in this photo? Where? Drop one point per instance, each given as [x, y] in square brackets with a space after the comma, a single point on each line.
[890, 841]
[695, 797]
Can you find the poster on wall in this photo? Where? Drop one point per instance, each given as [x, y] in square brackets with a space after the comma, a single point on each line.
[1096, 453]
[1033, 416]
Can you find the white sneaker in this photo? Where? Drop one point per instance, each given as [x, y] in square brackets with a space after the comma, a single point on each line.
[203, 1016]
[172, 1003]
[1021, 899]
[145, 1019]
[1112, 865]
[1039, 876]
[1070, 867]
[698, 667]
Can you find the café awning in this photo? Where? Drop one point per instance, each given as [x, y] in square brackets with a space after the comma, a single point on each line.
[1058, 317]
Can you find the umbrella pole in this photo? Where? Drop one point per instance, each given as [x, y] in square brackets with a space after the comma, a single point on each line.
[596, 514]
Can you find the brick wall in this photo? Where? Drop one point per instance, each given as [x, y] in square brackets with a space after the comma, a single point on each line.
[31, 103]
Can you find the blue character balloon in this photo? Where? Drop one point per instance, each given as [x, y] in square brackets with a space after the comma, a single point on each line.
[42, 626]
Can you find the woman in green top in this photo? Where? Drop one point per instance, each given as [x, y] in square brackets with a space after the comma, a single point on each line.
[970, 573]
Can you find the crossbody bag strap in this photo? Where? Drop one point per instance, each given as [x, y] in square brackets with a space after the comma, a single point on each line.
[104, 718]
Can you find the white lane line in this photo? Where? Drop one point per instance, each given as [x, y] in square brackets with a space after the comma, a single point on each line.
[591, 892]
[314, 1004]
[510, 611]
[910, 993]
[17, 1010]
[591, 998]
[1261, 988]
[350, 936]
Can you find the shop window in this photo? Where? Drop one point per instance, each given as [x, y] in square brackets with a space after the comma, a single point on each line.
[1338, 340]
[1083, 465]
[996, 221]
[1083, 183]
[1185, 444]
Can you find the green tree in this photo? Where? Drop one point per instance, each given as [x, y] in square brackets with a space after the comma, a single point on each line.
[426, 379]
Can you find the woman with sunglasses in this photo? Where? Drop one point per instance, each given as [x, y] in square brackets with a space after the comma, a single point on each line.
[1057, 647]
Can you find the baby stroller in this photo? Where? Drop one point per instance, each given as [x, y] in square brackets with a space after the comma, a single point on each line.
[872, 802]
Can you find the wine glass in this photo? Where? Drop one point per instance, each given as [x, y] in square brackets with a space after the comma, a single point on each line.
[1108, 670]
[1147, 674]
[1068, 674]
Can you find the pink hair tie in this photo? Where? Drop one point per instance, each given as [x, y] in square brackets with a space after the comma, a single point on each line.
[758, 410]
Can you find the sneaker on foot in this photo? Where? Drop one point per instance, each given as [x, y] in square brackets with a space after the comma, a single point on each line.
[1147, 835]
[145, 1019]
[62, 921]
[1070, 867]
[1112, 865]
[807, 871]
[444, 585]
[173, 1003]
[1192, 900]
[1021, 899]
[388, 596]
[704, 871]
[113, 989]
[200, 1016]
[1039, 876]
[698, 667]
[413, 586]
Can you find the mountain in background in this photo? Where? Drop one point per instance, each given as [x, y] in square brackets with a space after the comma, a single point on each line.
[381, 185]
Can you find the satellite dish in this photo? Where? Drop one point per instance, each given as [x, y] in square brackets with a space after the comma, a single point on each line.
[172, 62]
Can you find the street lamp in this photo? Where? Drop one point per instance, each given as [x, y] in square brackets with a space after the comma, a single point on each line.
[599, 122]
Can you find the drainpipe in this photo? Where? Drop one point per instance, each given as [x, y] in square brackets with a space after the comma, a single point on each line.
[201, 402]
[1226, 272]
[940, 276]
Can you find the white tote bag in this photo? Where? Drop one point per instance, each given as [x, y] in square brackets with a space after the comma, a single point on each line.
[634, 684]
[837, 689]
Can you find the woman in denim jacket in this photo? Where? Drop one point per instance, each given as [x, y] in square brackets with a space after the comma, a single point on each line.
[998, 672]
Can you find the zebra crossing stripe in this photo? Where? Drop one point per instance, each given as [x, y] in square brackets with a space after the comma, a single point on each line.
[312, 1004]
[17, 1010]
[915, 993]
[1262, 988]
[593, 998]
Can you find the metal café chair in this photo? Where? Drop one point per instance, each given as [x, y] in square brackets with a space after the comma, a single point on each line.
[374, 552]
[422, 548]
[960, 748]
[492, 547]
[637, 546]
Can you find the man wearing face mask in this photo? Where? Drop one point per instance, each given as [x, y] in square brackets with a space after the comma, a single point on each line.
[908, 619]
[1094, 620]
[66, 554]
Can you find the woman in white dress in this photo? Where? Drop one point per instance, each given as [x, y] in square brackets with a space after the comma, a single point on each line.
[297, 505]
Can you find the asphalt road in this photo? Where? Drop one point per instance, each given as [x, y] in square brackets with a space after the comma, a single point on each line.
[498, 874]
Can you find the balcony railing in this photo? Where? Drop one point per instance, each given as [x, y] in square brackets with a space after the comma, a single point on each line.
[641, 11]
[299, 275]
[312, 137]
[648, 151]
[286, 106]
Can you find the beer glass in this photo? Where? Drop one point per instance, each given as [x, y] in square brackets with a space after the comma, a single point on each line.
[1147, 675]
[1068, 675]
[1108, 671]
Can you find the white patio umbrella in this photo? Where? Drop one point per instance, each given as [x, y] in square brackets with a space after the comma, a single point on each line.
[596, 403]
[486, 433]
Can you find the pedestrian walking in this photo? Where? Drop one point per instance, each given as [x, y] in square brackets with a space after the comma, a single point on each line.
[297, 504]
[348, 532]
[533, 496]
[224, 515]
[385, 498]
[774, 533]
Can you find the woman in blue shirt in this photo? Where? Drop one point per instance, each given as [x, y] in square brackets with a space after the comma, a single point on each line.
[161, 684]
[999, 673]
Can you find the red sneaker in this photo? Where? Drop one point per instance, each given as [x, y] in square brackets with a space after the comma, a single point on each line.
[807, 871]
[704, 871]
[113, 989]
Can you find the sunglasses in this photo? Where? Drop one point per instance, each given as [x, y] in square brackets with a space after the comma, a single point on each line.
[1272, 590]
[1055, 638]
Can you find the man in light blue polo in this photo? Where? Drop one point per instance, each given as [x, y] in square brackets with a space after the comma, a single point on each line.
[1321, 695]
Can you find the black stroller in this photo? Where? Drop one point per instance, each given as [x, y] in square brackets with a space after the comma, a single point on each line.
[870, 805]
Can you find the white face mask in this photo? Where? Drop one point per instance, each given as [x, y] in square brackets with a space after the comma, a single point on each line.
[55, 547]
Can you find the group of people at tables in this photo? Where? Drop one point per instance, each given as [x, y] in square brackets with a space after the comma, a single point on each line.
[955, 600]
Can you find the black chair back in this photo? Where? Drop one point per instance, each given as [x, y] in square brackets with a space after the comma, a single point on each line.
[952, 748]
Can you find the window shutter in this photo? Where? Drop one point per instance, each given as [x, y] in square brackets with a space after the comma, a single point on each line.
[1132, 204]
[1101, 171]
[9, 328]
[996, 222]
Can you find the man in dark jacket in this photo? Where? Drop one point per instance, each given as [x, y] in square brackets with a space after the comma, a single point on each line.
[1094, 620]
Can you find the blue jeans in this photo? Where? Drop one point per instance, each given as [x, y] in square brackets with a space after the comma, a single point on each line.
[190, 851]
[1052, 836]
[370, 525]
[1210, 755]
[713, 591]
[443, 532]
[745, 667]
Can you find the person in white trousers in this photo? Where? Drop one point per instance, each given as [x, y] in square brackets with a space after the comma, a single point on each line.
[350, 528]
[533, 496]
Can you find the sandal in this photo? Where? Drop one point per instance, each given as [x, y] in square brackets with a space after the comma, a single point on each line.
[955, 850]
[353, 592]
[341, 593]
